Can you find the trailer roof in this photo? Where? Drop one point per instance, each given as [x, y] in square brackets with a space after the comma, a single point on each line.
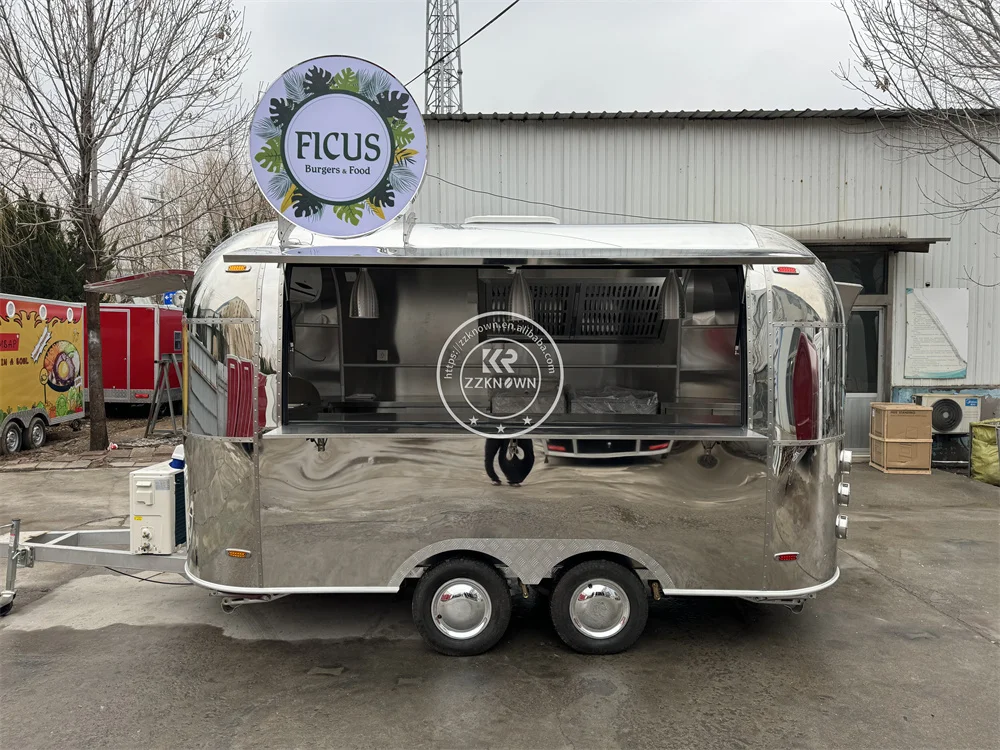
[494, 239]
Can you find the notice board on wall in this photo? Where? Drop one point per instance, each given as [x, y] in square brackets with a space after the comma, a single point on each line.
[937, 333]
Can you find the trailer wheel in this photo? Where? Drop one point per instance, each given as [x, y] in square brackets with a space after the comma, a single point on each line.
[10, 438]
[36, 433]
[461, 607]
[599, 607]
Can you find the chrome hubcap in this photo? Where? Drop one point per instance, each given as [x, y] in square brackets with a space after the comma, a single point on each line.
[599, 609]
[37, 433]
[11, 440]
[461, 609]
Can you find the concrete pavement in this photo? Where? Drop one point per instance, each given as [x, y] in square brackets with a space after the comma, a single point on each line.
[902, 652]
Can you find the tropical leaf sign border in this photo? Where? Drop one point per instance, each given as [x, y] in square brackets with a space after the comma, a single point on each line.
[336, 79]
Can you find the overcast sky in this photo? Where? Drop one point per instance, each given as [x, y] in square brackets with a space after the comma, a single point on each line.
[583, 55]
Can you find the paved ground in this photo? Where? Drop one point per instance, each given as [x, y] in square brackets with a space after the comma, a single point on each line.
[902, 653]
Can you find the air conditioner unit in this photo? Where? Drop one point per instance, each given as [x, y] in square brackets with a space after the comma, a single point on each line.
[157, 521]
[951, 413]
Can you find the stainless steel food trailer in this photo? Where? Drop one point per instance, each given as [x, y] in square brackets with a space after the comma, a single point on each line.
[329, 451]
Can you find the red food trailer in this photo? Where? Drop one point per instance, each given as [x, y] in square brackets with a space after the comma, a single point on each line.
[134, 337]
[137, 340]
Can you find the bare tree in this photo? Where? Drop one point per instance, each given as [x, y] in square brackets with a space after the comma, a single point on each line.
[197, 206]
[101, 94]
[937, 61]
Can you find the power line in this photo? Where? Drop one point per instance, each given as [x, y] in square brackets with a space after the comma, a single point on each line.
[148, 579]
[681, 221]
[477, 32]
[565, 208]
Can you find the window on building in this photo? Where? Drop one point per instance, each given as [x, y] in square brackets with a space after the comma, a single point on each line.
[866, 267]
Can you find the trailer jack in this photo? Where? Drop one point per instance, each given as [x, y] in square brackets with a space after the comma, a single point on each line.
[795, 605]
[15, 557]
[230, 603]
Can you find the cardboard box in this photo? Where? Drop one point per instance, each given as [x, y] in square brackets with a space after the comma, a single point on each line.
[903, 454]
[900, 438]
[901, 421]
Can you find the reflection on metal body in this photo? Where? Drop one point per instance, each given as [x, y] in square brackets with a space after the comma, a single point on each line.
[758, 322]
[802, 504]
[223, 511]
[808, 296]
[222, 379]
[356, 513]
[270, 342]
[820, 414]
[365, 511]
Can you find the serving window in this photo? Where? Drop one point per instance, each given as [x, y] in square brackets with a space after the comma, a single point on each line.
[641, 347]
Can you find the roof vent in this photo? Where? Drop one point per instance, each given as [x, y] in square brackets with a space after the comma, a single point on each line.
[511, 220]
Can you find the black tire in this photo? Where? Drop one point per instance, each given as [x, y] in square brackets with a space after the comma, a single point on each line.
[8, 442]
[488, 579]
[35, 435]
[625, 581]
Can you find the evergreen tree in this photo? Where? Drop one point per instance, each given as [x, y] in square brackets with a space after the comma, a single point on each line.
[37, 255]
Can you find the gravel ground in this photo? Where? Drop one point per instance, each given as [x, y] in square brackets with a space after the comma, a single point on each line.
[126, 428]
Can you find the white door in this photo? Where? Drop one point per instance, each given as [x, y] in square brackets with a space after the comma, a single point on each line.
[865, 363]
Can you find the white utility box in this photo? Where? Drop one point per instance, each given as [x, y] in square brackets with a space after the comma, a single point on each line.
[154, 493]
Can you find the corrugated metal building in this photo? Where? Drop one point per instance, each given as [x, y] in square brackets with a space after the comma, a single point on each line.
[835, 179]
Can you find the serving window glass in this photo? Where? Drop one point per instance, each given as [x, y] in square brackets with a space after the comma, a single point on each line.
[643, 348]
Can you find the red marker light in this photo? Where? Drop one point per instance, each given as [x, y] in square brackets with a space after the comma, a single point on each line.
[658, 447]
[556, 447]
[790, 270]
[786, 556]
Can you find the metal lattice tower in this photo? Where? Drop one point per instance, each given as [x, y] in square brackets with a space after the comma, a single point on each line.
[443, 84]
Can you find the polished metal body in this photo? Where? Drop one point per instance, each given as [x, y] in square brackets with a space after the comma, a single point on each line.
[323, 508]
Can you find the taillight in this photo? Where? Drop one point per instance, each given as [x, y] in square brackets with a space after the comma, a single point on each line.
[554, 447]
[805, 389]
[658, 446]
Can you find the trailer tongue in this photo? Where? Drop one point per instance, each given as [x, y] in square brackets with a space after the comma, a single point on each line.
[103, 547]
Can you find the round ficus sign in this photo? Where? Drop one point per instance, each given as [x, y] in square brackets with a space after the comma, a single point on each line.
[338, 146]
